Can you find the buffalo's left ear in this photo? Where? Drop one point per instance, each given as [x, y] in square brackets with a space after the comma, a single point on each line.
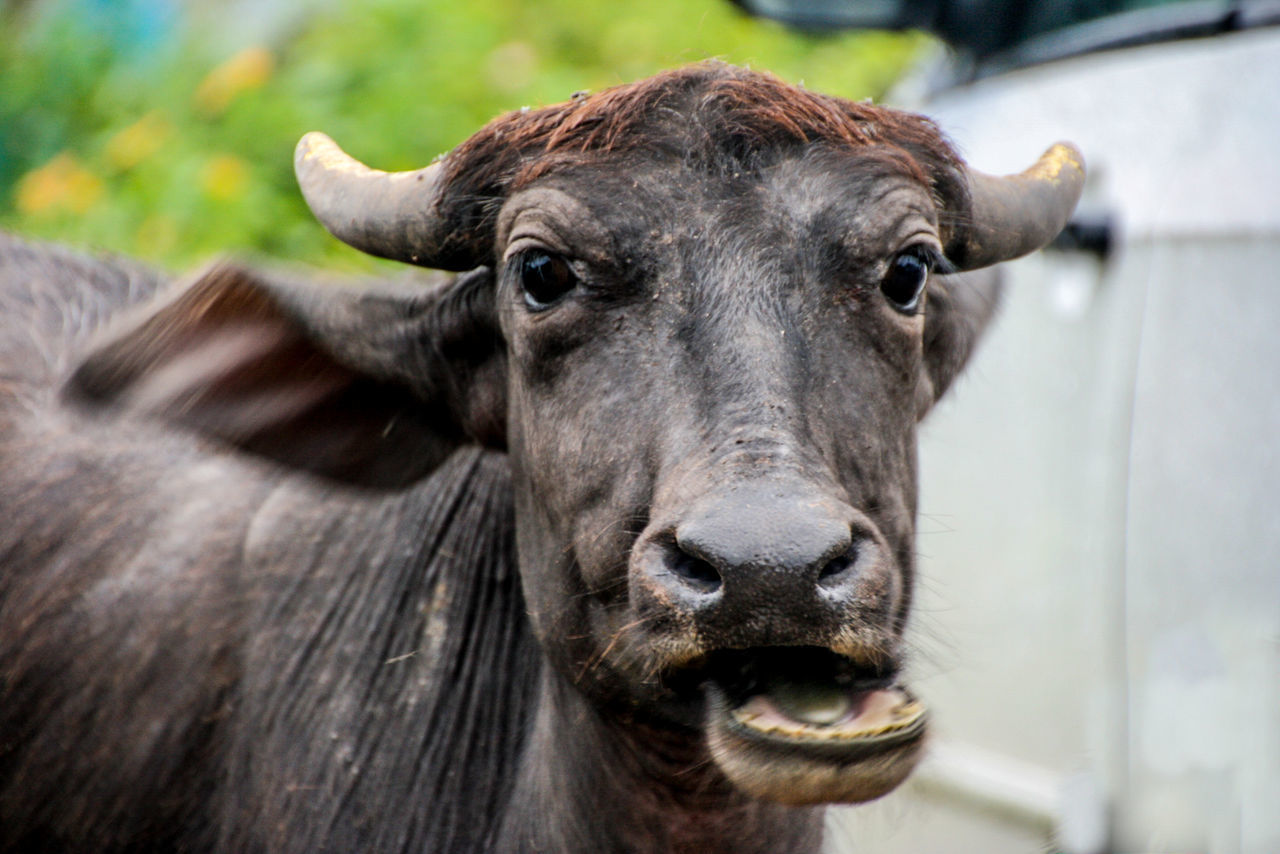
[373, 386]
[957, 311]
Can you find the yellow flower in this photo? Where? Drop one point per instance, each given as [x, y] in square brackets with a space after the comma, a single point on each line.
[224, 177]
[136, 143]
[63, 184]
[246, 70]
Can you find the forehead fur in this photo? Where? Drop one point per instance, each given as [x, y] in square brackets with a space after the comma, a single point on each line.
[711, 117]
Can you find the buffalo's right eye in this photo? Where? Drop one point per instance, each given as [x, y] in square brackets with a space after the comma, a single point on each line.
[544, 278]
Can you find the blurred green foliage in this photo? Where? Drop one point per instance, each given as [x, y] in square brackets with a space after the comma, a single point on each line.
[171, 145]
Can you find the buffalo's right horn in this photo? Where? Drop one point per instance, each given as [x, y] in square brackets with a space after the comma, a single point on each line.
[388, 214]
[1014, 215]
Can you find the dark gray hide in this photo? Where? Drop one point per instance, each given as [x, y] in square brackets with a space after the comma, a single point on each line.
[691, 342]
[200, 652]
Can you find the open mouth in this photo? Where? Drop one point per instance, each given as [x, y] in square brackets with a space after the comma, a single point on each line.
[806, 725]
[814, 696]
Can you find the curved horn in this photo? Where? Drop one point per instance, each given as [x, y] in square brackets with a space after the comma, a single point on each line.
[388, 214]
[1014, 215]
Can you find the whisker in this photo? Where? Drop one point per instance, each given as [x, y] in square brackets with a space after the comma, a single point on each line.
[598, 659]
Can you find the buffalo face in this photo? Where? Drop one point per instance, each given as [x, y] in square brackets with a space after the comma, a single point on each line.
[712, 391]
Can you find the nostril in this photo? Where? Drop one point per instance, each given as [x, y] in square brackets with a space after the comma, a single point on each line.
[695, 571]
[839, 566]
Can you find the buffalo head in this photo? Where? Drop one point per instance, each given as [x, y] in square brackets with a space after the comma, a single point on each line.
[704, 315]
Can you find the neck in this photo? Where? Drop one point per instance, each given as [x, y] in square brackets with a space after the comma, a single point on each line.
[590, 782]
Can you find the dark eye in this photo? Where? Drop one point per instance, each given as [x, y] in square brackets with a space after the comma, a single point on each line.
[904, 282]
[544, 278]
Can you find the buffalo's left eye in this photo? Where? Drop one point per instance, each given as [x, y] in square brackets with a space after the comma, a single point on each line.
[904, 282]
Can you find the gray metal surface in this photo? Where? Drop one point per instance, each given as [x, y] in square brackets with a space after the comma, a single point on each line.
[1100, 529]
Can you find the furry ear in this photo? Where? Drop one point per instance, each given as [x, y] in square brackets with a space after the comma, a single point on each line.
[958, 310]
[373, 386]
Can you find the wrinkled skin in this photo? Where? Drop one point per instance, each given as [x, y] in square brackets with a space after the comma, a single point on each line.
[706, 380]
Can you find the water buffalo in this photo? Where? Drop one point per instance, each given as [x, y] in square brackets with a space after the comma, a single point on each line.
[604, 544]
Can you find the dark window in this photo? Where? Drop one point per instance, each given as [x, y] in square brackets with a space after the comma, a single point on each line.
[997, 34]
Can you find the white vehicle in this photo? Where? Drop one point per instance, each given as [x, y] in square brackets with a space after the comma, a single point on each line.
[1099, 624]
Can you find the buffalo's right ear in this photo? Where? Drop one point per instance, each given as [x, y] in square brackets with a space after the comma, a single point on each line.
[371, 385]
[958, 310]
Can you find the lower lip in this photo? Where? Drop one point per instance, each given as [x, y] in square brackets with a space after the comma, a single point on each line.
[876, 721]
[861, 757]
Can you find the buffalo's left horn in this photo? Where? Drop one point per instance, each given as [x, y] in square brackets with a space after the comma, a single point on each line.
[388, 214]
[1014, 215]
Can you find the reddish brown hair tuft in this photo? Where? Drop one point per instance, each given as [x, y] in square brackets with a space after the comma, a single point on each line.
[712, 115]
